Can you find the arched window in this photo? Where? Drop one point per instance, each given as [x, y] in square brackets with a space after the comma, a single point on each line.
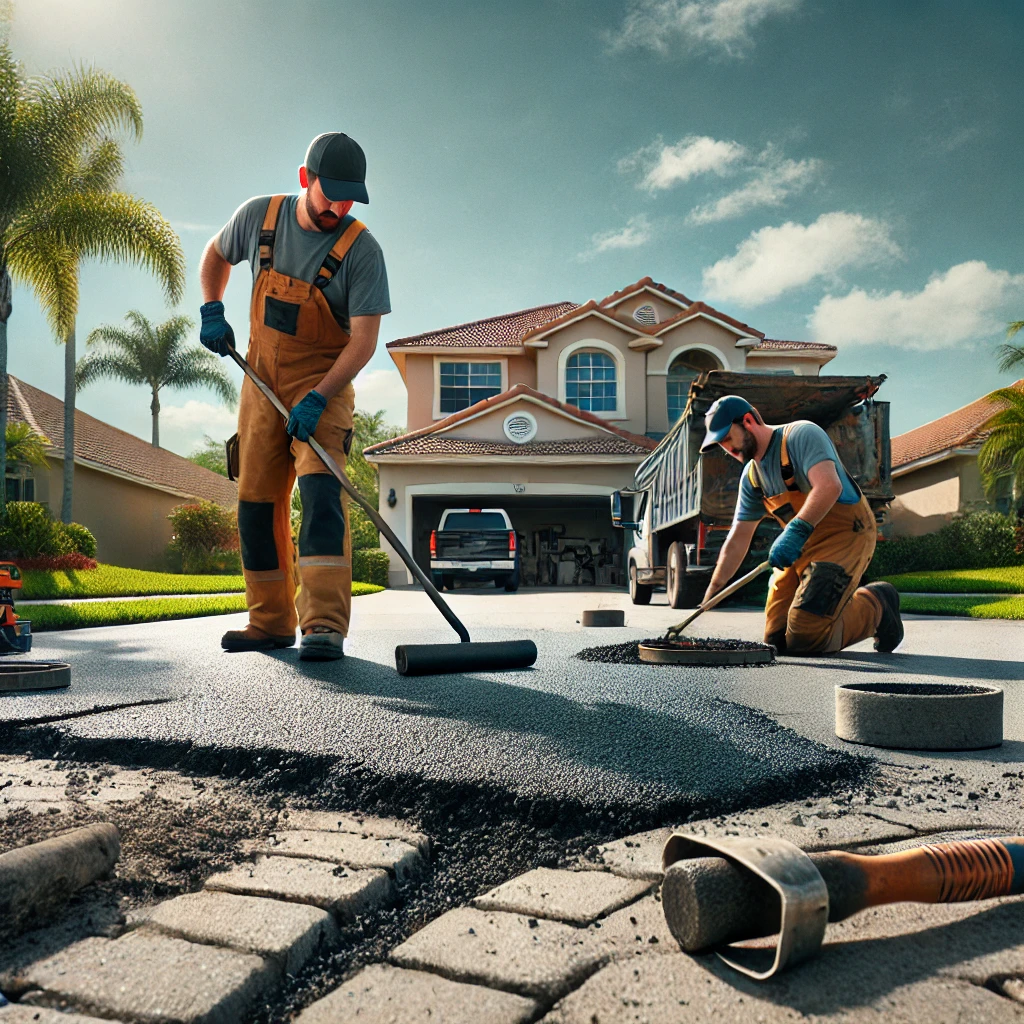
[685, 369]
[590, 382]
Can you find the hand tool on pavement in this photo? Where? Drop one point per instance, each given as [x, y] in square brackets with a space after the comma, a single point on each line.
[417, 659]
[724, 890]
[15, 633]
[674, 632]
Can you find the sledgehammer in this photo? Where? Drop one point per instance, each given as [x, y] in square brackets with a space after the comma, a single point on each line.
[763, 886]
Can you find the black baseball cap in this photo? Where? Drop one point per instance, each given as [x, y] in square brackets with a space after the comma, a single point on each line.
[720, 417]
[340, 164]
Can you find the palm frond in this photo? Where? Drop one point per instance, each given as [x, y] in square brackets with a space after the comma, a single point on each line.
[197, 367]
[51, 272]
[102, 167]
[26, 445]
[1002, 453]
[95, 366]
[1010, 356]
[1013, 327]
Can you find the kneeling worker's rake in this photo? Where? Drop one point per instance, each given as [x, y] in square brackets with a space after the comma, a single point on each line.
[418, 659]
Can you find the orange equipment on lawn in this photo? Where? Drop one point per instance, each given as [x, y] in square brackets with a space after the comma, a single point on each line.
[15, 633]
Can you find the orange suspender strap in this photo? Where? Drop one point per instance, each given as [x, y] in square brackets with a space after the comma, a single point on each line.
[333, 259]
[788, 474]
[268, 231]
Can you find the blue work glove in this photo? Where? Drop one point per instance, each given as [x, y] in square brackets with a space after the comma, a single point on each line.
[216, 333]
[788, 545]
[306, 415]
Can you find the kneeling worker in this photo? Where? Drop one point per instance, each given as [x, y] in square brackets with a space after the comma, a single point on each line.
[319, 291]
[792, 473]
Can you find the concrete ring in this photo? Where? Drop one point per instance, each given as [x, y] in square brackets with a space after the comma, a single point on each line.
[34, 675]
[920, 716]
[604, 617]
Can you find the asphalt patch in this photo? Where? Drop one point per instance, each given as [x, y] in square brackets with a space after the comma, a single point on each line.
[629, 653]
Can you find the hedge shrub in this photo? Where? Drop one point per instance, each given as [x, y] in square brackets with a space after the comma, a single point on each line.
[364, 533]
[28, 532]
[974, 540]
[205, 539]
[370, 565]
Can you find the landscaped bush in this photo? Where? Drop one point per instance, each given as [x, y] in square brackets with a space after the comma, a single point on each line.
[205, 539]
[370, 565]
[29, 533]
[974, 540]
[364, 533]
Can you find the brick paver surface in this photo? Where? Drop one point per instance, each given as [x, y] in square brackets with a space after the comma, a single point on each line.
[576, 897]
[343, 892]
[288, 933]
[15, 1014]
[391, 855]
[152, 978]
[387, 995]
[358, 824]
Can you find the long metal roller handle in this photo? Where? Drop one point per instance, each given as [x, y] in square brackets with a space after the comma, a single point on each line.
[673, 631]
[375, 517]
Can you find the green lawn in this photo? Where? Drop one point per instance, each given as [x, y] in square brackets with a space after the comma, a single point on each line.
[114, 581]
[1004, 580]
[972, 607]
[47, 617]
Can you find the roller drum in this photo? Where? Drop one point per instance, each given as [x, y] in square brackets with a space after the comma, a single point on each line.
[438, 659]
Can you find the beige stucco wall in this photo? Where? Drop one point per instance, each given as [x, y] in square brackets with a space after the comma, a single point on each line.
[802, 367]
[523, 370]
[499, 478]
[419, 383]
[927, 498]
[665, 309]
[128, 520]
[697, 333]
[551, 425]
[590, 329]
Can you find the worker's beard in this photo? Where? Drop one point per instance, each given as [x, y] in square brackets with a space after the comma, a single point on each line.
[327, 221]
[748, 449]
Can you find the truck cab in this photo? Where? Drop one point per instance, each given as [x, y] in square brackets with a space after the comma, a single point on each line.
[681, 504]
[476, 544]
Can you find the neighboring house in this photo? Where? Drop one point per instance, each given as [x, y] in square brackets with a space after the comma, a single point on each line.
[124, 487]
[935, 470]
[546, 411]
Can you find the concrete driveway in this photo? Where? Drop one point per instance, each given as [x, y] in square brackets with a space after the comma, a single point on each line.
[664, 740]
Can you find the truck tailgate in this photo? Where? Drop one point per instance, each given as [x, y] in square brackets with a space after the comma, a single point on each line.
[472, 545]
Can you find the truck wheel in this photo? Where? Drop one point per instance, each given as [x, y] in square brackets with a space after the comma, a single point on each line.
[448, 580]
[675, 575]
[438, 580]
[639, 593]
[512, 581]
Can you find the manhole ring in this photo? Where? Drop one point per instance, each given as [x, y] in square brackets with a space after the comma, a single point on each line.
[34, 675]
[604, 617]
[735, 652]
[920, 716]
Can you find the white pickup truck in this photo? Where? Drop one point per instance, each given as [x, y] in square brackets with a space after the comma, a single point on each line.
[474, 544]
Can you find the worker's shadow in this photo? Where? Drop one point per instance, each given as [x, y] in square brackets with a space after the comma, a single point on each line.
[946, 665]
[851, 973]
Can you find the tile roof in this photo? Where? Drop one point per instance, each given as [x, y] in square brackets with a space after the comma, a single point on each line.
[99, 442]
[644, 282]
[384, 447]
[494, 331]
[702, 307]
[441, 444]
[958, 429]
[775, 345]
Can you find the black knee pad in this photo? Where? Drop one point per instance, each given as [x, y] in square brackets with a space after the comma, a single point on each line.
[256, 532]
[821, 588]
[777, 640]
[323, 523]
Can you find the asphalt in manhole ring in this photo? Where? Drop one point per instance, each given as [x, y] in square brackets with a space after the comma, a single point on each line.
[693, 651]
[34, 675]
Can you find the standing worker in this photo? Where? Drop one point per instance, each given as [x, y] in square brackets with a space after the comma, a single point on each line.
[319, 290]
[792, 473]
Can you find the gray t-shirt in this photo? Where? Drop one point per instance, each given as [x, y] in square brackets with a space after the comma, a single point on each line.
[807, 445]
[360, 287]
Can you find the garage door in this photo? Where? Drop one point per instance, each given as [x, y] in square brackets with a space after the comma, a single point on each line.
[565, 540]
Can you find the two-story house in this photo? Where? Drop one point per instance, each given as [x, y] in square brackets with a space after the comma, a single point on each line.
[546, 411]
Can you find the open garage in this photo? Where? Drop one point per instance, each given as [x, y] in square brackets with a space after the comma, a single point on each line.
[564, 540]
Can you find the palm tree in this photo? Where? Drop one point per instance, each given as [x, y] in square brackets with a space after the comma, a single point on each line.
[26, 446]
[1002, 454]
[50, 128]
[1011, 356]
[122, 227]
[155, 356]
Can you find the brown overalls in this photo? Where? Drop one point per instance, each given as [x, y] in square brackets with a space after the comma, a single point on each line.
[815, 605]
[293, 342]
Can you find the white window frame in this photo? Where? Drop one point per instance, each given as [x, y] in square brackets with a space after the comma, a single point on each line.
[596, 344]
[438, 360]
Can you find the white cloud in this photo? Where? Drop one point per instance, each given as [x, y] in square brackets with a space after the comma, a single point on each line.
[382, 389]
[771, 185]
[191, 226]
[182, 426]
[637, 232]
[968, 302]
[664, 165]
[774, 260]
[722, 26]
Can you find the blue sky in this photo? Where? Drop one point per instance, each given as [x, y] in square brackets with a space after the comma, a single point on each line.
[844, 171]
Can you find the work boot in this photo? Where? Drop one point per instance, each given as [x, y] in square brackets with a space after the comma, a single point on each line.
[890, 626]
[253, 639]
[321, 643]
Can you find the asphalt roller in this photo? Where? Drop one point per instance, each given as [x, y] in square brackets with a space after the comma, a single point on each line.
[418, 659]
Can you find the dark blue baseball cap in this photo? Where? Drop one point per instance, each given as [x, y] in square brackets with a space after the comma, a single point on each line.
[340, 164]
[720, 417]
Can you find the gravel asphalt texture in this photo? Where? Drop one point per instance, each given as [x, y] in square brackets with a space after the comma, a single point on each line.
[641, 744]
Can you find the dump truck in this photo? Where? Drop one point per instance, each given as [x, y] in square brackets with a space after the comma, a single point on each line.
[681, 504]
